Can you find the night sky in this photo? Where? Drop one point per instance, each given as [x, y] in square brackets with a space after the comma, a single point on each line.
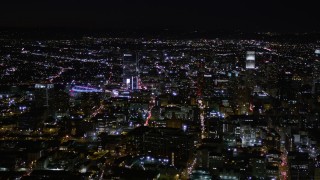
[246, 15]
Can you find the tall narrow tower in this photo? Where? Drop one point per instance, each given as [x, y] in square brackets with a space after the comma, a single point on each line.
[250, 60]
[316, 65]
[130, 73]
[316, 72]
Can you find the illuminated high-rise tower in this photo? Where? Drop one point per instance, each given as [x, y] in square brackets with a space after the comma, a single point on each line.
[250, 60]
[316, 65]
[130, 73]
[316, 72]
[317, 52]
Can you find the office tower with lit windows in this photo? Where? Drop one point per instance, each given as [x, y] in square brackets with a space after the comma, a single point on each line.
[316, 72]
[130, 73]
[250, 60]
[317, 52]
[316, 65]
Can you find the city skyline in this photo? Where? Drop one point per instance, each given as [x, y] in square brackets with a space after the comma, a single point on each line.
[226, 90]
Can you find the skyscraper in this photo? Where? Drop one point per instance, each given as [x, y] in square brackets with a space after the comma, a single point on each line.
[130, 73]
[250, 60]
[317, 52]
[316, 72]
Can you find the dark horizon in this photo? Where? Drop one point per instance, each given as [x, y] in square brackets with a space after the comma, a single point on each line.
[64, 33]
[230, 15]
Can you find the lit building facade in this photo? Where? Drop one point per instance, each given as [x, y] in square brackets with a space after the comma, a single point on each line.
[130, 73]
[250, 60]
